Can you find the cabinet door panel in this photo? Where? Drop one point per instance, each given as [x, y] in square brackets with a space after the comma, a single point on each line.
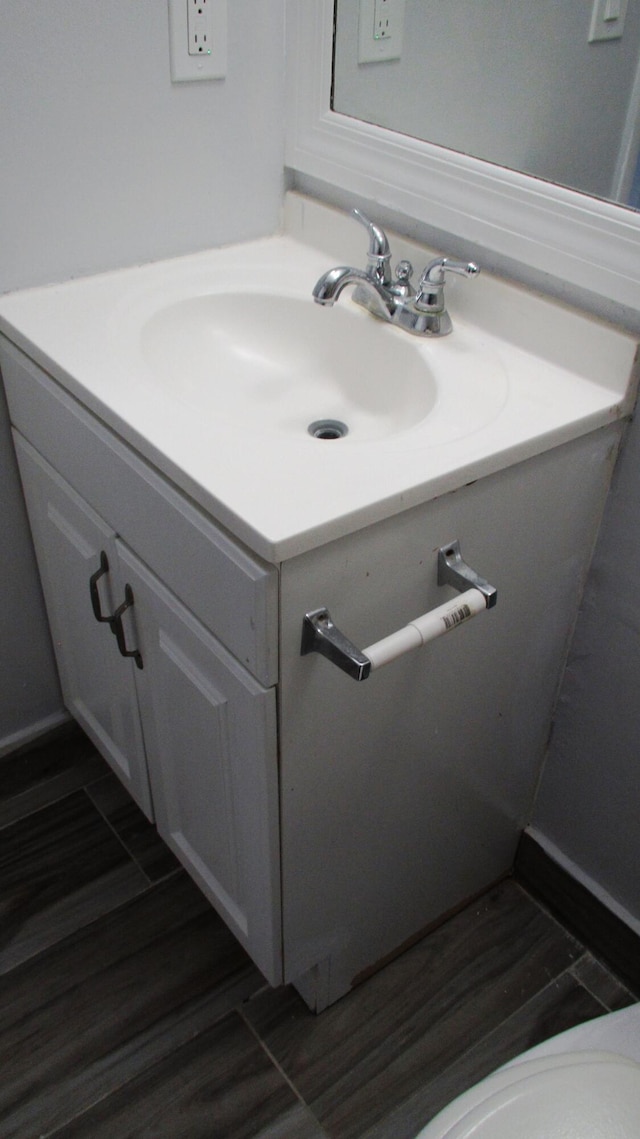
[210, 730]
[97, 683]
[207, 842]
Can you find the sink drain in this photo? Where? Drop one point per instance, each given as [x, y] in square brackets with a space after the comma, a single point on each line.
[328, 429]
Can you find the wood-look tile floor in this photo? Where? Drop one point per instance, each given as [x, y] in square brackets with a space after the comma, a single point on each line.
[127, 1009]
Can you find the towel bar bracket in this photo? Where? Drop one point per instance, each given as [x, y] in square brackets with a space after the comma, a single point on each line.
[452, 570]
[320, 635]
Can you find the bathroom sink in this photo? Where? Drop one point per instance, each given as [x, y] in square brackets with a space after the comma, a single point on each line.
[277, 364]
[294, 424]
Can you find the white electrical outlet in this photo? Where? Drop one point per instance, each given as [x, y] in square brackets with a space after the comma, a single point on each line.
[198, 39]
[380, 30]
[607, 20]
[382, 20]
[199, 30]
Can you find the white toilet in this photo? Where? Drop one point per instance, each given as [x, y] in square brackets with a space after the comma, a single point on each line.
[582, 1084]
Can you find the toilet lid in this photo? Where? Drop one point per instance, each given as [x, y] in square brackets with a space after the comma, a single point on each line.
[581, 1095]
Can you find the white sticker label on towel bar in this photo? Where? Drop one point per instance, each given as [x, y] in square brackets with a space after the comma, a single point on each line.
[457, 617]
[426, 628]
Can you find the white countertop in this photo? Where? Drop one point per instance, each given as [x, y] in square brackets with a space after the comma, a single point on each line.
[549, 375]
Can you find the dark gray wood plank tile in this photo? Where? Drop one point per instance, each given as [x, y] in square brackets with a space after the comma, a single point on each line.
[134, 830]
[221, 1085]
[36, 776]
[563, 1004]
[60, 868]
[97, 1010]
[409, 1023]
[599, 981]
[611, 939]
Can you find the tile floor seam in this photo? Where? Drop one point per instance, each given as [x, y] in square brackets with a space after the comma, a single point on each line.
[272, 1059]
[146, 889]
[31, 957]
[586, 949]
[127, 1080]
[589, 955]
[569, 971]
[516, 1013]
[121, 841]
[60, 1129]
[545, 909]
[41, 807]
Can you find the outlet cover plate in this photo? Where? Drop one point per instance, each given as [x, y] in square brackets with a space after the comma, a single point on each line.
[607, 20]
[186, 67]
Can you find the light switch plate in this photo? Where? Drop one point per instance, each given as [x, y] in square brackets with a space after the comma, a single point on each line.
[607, 20]
[186, 63]
[380, 30]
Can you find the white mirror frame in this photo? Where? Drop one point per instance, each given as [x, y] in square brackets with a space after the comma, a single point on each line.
[589, 243]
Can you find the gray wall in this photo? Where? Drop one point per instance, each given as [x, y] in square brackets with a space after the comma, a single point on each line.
[30, 699]
[106, 163]
[588, 805]
[512, 81]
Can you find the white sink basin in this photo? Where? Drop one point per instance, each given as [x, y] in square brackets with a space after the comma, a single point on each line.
[283, 366]
[273, 363]
[214, 366]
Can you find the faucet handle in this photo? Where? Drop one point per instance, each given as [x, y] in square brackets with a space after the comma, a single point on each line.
[430, 292]
[379, 254]
[436, 269]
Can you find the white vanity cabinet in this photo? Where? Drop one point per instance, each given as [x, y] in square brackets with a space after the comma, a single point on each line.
[333, 837]
[186, 726]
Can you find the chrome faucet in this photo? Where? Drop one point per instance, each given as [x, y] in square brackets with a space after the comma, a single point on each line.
[421, 311]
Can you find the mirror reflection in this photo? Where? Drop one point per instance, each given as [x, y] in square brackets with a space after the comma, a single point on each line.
[547, 88]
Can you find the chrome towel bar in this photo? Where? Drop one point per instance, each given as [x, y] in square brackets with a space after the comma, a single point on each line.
[320, 635]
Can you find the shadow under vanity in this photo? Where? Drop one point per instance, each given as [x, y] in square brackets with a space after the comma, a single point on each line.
[329, 822]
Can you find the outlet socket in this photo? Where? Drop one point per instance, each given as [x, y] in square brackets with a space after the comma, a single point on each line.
[199, 30]
[380, 30]
[197, 39]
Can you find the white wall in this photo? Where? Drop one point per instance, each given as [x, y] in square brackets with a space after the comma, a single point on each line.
[512, 81]
[106, 163]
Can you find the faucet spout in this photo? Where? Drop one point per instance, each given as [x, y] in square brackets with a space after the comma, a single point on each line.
[369, 293]
[420, 311]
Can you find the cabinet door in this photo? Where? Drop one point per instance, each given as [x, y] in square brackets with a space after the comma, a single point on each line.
[97, 683]
[210, 732]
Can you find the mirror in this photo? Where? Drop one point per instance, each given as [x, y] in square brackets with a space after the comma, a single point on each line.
[516, 83]
[571, 243]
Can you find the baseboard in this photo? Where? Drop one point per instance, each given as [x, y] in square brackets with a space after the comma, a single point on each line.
[27, 736]
[579, 910]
